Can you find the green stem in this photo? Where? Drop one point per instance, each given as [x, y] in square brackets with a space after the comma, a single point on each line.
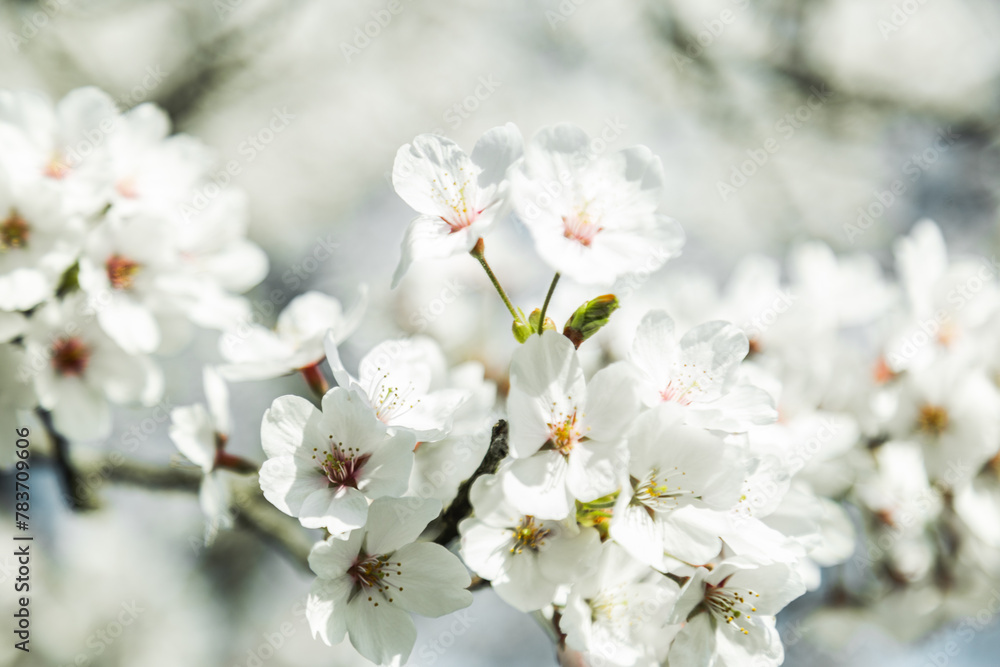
[545, 306]
[477, 252]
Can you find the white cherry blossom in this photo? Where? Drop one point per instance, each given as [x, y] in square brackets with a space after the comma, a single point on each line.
[459, 198]
[367, 583]
[594, 218]
[325, 466]
[566, 435]
[255, 352]
[526, 559]
[405, 383]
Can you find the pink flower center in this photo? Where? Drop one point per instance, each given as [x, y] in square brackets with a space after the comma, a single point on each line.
[126, 188]
[70, 356]
[343, 465]
[581, 228]
[372, 574]
[677, 394]
[462, 218]
[56, 168]
[14, 232]
[121, 271]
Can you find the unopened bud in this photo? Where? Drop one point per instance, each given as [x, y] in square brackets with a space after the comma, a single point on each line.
[522, 328]
[533, 320]
[589, 318]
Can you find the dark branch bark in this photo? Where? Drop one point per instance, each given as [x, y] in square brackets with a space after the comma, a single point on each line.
[73, 487]
[461, 507]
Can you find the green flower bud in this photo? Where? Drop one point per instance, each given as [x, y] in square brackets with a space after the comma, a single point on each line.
[589, 318]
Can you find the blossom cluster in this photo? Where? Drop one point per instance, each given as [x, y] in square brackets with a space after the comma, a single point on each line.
[889, 400]
[100, 266]
[631, 511]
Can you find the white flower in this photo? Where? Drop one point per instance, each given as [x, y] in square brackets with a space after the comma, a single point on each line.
[699, 372]
[728, 614]
[680, 479]
[946, 300]
[152, 171]
[593, 218]
[66, 145]
[257, 353]
[526, 559]
[952, 410]
[130, 273]
[440, 467]
[39, 240]
[577, 426]
[77, 369]
[201, 435]
[324, 467]
[404, 382]
[621, 615]
[459, 198]
[367, 583]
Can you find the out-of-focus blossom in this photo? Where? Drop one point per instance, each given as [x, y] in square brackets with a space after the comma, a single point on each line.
[594, 217]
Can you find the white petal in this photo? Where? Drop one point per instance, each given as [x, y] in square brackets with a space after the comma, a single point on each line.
[537, 486]
[382, 633]
[217, 395]
[332, 557]
[433, 580]
[192, 431]
[326, 608]
[393, 522]
[430, 237]
[338, 510]
[611, 402]
[288, 426]
[496, 151]
[287, 483]
[695, 644]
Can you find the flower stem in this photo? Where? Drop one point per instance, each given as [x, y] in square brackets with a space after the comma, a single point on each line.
[545, 305]
[315, 379]
[477, 252]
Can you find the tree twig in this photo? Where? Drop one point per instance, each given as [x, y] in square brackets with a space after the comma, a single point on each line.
[69, 477]
[461, 507]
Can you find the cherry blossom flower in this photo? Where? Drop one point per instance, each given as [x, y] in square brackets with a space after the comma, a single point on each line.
[459, 198]
[404, 381]
[593, 218]
[566, 435]
[39, 241]
[952, 411]
[369, 581]
[130, 274]
[77, 370]
[325, 466]
[526, 559]
[728, 614]
[700, 372]
[151, 171]
[621, 615]
[680, 479]
[257, 353]
[201, 433]
[65, 144]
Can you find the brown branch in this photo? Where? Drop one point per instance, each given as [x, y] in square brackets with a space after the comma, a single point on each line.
[72, 482]
[250, 511]
[461, 507]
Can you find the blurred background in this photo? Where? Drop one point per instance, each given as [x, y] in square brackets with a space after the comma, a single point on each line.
[776, 120]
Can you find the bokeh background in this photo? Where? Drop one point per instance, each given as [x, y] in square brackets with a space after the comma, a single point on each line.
[776, 120]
